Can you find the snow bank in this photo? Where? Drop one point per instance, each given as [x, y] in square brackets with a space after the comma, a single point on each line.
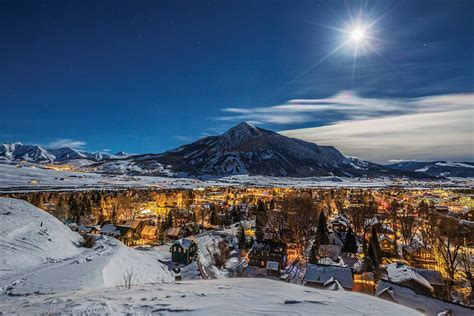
[144, 267]
[243, 296]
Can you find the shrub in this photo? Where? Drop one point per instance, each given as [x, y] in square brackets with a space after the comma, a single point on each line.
[89, 241]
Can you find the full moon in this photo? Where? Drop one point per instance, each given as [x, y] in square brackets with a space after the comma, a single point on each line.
[357, 34]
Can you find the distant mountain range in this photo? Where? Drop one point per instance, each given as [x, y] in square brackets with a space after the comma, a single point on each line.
[438, 168]
[243, 149]
[38, 154]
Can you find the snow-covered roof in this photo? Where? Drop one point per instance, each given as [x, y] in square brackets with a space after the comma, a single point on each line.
[109, 229]
[432, 276]
[132, 223]
[173, 231]
[400, 273]
[318, 273]
[185, 242]
[149, 230]
[272, 265]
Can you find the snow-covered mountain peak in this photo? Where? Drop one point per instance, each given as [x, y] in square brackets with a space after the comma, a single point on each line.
[240, 133]
[121, 154]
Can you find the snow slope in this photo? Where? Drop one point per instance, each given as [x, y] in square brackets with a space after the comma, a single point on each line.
[243, 296]
[31, 237]
[45, 259]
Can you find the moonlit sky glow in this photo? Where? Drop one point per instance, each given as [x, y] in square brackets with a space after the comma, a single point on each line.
[380, 80]
[358, 34]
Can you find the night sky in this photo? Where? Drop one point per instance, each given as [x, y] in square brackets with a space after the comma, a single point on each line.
[148, 76]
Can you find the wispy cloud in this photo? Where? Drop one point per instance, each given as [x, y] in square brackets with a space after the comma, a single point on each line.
[182, 138]
[378, 129]
[346, 105]
[66, 142]
[446, 135]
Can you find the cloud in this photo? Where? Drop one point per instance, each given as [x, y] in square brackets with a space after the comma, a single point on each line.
[378, 129]
[182, 138]
[444, 135]
[66, 142]
[345, 105]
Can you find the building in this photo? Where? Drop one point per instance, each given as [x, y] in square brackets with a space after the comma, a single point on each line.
[149, 233]
[409, 277]
[174, 233]
[387, 245]
[266, 251]
[183, 250]
[435, 279]
[428, 305]
[321, 275]
[419, 256]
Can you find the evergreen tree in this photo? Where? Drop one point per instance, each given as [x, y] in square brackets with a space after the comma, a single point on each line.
[261, 220]
[313, 254]
[350, 245]
[213, 217]
[373, 257]
[242, 239]
[322, 234]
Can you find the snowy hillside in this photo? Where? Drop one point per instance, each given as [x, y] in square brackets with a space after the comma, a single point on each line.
[30, 237]
[38, 254]
[245, 296]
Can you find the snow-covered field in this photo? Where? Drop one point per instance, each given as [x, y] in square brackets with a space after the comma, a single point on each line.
[33, 177]
[242, 296]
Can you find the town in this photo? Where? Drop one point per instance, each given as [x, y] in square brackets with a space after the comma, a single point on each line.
[411, 246]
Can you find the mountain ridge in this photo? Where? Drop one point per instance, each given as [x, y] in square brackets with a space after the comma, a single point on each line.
[243, 149]
[247, 149]
[39, 154]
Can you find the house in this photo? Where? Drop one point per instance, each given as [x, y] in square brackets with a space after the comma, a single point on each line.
[407, 276]
[427, 305]
[149, 232]
[190, 229]
[435, 279]
[318, 275]
[134, 224]
[419, 256]
[330, 251]
[387, 245]
[83, 230]
[273, 268]
[174, 233]
[126, 234]
[266, 251]
[335, 239]
[110, 230]
[183, 250]
[340, 224]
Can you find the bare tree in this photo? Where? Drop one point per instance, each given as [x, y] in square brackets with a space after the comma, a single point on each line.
[408, 228]
[441, 236]
[128, 280]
